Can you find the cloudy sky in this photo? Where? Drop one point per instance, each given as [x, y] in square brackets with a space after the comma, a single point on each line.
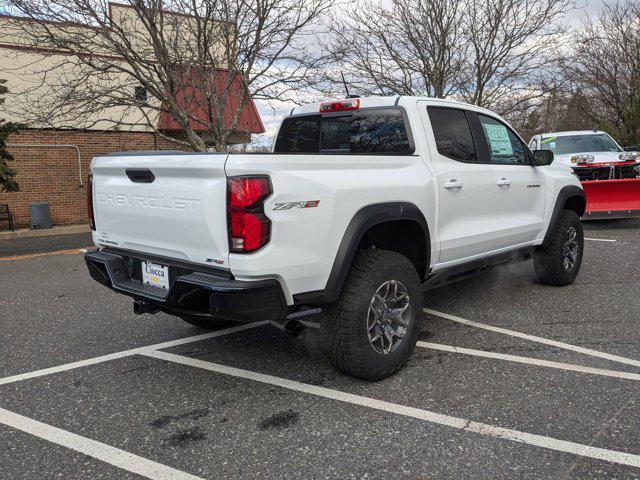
[586, 7]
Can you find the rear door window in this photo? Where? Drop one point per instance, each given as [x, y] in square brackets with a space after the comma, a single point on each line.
[453, 134]
[366, 131]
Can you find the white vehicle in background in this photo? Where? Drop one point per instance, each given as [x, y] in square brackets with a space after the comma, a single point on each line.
[610, 174]
[363, 204]
[583, 147]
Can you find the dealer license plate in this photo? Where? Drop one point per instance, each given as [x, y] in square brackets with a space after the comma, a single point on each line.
[155, 274]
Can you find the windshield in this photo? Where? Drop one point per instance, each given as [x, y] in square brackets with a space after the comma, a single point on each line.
[598, 142]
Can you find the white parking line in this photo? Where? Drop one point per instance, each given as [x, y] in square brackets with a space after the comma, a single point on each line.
[600, 239]
[533, 338]
[518, 359]
[125, 353]
[101, 451]
[106, 453]
[531, 361]
[613, 456]
[150, 469]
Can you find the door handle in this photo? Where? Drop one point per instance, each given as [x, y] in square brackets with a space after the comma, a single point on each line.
[504, 182]
[453, 184]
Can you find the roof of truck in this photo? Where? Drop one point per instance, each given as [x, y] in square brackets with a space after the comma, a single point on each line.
[572, 132]
[389, 101]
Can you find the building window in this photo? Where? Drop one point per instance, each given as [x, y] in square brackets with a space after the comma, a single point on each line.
[140, 94]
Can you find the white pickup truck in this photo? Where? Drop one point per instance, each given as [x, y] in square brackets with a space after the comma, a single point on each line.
[363, 204]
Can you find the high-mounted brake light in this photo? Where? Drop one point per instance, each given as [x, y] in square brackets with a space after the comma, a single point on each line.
[92, 221]
[340, 105]
[249, 228]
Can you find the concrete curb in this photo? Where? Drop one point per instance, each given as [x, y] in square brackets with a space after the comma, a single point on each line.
[64, 230]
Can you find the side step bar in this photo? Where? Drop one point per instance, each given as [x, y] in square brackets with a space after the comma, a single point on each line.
[468, 270]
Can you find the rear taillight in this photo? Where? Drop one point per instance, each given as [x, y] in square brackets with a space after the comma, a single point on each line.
[249, 228]
[92, 221]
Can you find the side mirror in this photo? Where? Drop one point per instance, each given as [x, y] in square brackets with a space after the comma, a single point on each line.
[542, 157]
[633, 148]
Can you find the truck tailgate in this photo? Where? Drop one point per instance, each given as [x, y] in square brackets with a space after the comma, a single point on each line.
[171, 205]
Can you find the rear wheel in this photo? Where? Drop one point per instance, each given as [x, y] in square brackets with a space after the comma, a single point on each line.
[372, 329]
[559, 262]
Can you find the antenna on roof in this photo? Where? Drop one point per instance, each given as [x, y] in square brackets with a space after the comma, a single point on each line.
[346, 89]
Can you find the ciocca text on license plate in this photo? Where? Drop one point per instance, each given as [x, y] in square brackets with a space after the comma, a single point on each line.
[155, 274]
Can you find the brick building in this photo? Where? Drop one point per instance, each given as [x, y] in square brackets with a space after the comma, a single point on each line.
[52, 162]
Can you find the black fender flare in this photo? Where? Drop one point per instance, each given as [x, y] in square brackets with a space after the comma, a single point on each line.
[564, 195]
[363, 220]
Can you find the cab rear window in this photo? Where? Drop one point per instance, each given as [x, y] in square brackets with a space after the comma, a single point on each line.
[373, 131]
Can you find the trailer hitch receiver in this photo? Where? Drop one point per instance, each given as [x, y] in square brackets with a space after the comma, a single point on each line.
[140, 307]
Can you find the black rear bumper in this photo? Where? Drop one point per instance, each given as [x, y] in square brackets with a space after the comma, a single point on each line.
[193, 289]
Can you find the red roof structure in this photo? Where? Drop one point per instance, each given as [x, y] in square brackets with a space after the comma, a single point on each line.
[193, 100]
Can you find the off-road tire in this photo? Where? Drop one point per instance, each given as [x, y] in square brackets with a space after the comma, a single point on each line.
[549, 261]
[344, 323]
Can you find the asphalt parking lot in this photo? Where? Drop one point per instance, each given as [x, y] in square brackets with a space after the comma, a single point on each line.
[511, 379]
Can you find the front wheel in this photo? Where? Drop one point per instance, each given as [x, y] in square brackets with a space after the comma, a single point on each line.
[559, 262]
[372, 329]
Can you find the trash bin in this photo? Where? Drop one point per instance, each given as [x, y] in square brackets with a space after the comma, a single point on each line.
[39, 216]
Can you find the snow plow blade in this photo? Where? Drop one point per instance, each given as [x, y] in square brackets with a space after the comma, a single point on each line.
[612, 198]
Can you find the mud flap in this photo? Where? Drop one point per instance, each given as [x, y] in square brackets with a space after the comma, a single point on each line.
[612, 198]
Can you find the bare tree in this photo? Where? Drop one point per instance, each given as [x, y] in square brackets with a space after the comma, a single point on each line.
[412, 48]
[606, 65]
[561, 109]
[493, 53]
[191, 65]
[514, 48]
